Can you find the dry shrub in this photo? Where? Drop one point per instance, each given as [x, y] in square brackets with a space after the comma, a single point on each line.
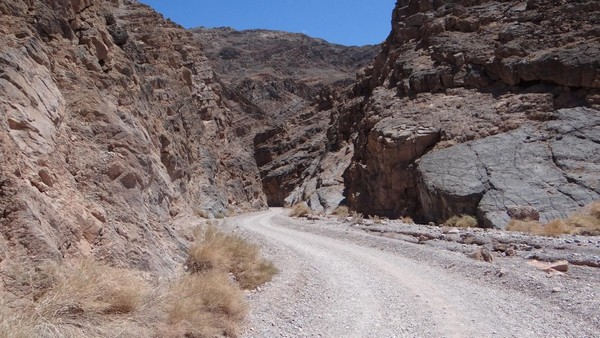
[205, 305]
[556, 227]
[587, 225]
[230, 253]
[462, 221]
[407, 220]
[79, 298]
[357, 217]
[89, 288]
[595, 210]
[532, 227]
[300, 210]
[14, 324]
[341, 211]
[586, 222]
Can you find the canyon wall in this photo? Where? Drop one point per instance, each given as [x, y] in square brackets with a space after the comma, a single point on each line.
[471, 107]
[113, 124]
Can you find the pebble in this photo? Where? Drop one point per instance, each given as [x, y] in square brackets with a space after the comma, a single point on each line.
[556, 290]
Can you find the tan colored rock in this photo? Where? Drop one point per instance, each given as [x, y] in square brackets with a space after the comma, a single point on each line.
[482, 254]
[550, 267]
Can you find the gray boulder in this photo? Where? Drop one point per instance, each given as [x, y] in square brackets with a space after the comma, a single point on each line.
[552, 168]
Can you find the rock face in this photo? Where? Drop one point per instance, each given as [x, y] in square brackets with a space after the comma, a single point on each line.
[553, 165]
[286, 85]
[471, 107]
[113, 124]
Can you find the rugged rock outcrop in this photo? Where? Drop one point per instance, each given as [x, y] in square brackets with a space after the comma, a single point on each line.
[461, 86]
[286, 84]
[113, 124]
[552, 167]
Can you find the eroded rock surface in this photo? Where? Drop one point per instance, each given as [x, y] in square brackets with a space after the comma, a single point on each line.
[470, 108]
[113, 124]
[286, 85]
[552, 169]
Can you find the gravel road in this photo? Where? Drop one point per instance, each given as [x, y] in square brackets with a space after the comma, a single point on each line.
[333, 284]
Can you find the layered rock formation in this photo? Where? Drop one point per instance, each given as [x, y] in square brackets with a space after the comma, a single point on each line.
[112, 124]
[470, 108]
[285, 86]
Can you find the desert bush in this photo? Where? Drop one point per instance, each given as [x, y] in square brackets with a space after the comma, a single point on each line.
[78, 298]
[300, 210]
[230, 253]
[462, 221]
[587, 225]
[88, 287]
[585, 222]
[341, 211]
[533, 227]
[14, 324]
[595, 210]
[376, 219]
[205, 305]
[357, 217]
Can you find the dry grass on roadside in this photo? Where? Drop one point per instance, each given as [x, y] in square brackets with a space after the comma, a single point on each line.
[300, 210]
[462, 221]
[341, 211]
[585, 222]
[204, 305]
[79, 298]
[85, 298]
[357, 217]
[230, 253]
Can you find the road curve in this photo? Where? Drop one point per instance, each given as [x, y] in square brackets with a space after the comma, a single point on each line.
[333, 287]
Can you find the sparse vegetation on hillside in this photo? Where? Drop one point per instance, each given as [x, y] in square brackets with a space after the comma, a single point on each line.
[85, 298]
[586, 222]
[462, 221]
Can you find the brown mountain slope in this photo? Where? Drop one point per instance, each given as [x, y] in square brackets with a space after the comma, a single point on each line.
[112, 124]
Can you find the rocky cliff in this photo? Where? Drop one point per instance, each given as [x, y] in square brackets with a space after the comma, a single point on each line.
[113, 124]
[477, 107]
[284, 85]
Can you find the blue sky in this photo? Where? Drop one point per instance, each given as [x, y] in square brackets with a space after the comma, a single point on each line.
[347, 22]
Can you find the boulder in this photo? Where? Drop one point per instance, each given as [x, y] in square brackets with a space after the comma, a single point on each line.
[537, 173]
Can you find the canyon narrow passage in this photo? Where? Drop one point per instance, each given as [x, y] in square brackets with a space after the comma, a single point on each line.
[340, 287]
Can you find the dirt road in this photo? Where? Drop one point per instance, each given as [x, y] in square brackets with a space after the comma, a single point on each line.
[333, 285]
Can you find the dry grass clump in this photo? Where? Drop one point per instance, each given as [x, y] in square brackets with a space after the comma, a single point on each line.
[79, 298]
[341, 211]
[462, 221]
[300, 210]
[357, 217]
[230, 253]
[92, 288]
[532, 227]
[586, 222]
[376, 219]
[14, 324]
[407, 220]
[205, 305]
[85, 298]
